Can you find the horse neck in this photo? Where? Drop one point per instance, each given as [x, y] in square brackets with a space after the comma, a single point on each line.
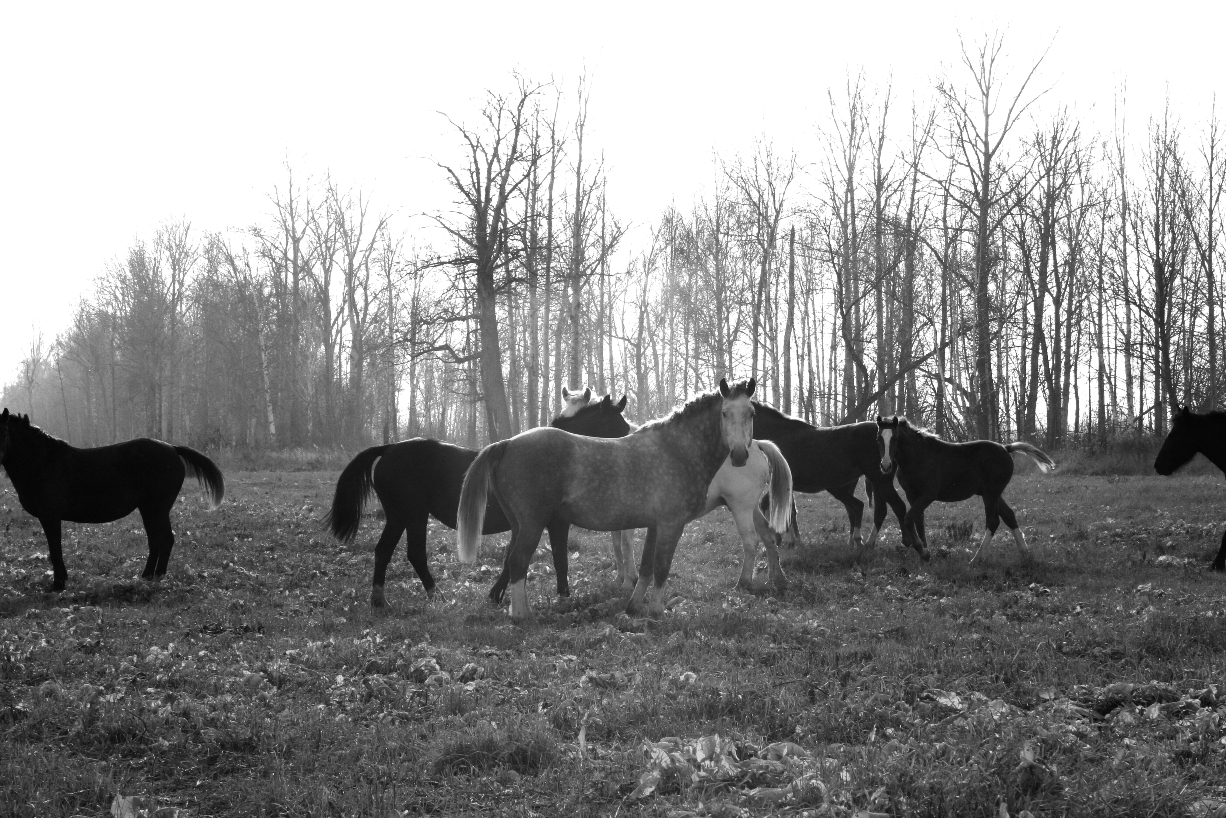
[699, 437]
[1211, 441]
[27, 452]
[768, 423]
[909, 442]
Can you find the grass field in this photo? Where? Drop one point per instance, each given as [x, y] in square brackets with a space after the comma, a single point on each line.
[255, 679]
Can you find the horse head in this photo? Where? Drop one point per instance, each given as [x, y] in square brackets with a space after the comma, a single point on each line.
[736, 422]
[601, 419]
[887, 442]
[572, 402]
[1181, 444]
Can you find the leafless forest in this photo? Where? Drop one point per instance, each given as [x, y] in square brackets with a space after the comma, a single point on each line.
[978, 260]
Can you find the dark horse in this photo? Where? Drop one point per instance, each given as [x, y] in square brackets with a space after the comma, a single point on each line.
[656, 478]
[931, 469]
[832, 458]
[57, 482]
[1193, 434]
[420, 478]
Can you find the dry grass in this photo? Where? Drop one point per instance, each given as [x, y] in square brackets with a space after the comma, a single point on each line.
[256, 681]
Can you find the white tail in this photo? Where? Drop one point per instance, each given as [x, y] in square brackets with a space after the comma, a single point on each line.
[781, 486]
[1045, 463]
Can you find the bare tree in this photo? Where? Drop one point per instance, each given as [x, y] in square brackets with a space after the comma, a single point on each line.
[978, 138]
[499, 163]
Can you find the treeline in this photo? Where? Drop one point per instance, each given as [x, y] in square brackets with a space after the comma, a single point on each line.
[983, 265]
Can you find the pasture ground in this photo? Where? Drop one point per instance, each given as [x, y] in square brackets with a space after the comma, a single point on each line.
[255, 680]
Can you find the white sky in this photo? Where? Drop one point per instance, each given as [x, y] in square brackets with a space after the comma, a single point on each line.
[115, 117]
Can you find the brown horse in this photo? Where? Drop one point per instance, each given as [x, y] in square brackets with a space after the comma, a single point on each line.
[57, 482]
[1193, 434]
[656, 478]
[931, 469]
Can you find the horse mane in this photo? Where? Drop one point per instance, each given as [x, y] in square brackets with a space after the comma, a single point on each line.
[920, 431]
[1214, 415]
[20, 427]
[769, 412]
[696, 406]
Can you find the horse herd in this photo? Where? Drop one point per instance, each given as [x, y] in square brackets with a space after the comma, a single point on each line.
[589, 468]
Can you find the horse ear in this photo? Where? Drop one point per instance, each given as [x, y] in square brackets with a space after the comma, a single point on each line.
[587, 394]
[607, 400]
[565, 393]
[621, 404]
[749, 387]
[1184, 411]
[723, 387]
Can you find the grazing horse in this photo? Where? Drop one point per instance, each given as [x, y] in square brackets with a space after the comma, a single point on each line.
[1193, 434]
[420, 478]
[655, 478]
[931, 469]
[57, 482]
[832, 458]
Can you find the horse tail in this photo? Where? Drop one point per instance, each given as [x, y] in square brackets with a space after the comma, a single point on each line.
[352, 490]
[470, 516]
[781, 486]
[1036, 454]
[204, 470]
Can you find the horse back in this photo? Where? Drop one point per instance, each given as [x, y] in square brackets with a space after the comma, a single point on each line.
[424, 476]
[950, 472]
[102, 484]
[824, 457]
[601, 484]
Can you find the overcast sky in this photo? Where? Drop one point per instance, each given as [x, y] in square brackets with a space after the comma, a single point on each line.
[117, 117]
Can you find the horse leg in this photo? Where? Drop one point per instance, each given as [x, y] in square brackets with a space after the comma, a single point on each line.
[646, 567]
[913, 521]
[992, 521]
[771, 540]
[749, 544]
[846, 495]
[559, 533]
[623, 557]
[666, 545]
[53, 529]
[161, 541]
[415, 549]
[384, 550]
[1010, 519]
[524, 540]
[884, 489]
[1219, 563]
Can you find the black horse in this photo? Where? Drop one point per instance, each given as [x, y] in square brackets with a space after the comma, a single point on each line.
[1193, 434]
[421, 478]
[57, 482]
[931, 469]
[832, 459]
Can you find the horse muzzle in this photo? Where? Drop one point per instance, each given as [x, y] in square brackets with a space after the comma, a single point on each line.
[739, 455]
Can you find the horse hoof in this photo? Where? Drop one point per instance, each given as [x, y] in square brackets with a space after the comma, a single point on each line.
[435, 595]
[1218, 566]
[377, 599]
